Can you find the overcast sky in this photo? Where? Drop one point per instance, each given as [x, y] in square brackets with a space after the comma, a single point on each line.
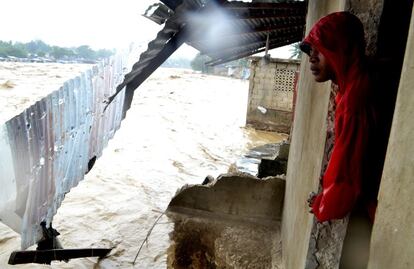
[100, 24]
[97, 23]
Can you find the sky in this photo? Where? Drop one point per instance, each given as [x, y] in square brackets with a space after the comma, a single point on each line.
[98, 23]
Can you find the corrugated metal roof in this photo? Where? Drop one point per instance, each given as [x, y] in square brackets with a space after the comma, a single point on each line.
[168, 40]
[247, 27]
[223, 30]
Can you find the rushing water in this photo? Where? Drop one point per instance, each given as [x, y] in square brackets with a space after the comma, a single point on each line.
[181, 127]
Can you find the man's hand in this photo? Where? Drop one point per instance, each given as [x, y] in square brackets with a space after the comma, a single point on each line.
[311, 199]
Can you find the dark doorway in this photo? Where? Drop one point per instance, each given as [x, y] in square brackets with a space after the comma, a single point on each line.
[392, 39]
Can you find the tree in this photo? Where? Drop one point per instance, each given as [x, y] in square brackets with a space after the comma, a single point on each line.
[243, 62]
[199, 62]
[41, 53]
[38, 47]
[85, 52]
[104, 53]
[60, 53]
[4, 48]
[177, 62]
[295, 50]
[10, 49]
[42, 49]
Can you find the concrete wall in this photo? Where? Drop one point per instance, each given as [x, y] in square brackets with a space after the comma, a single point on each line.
[393, 232]
[231, 222]
[238, 196]
[271, 86]
[306, 151]
[369, 12]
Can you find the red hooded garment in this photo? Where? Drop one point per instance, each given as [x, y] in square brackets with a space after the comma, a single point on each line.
[340, 38]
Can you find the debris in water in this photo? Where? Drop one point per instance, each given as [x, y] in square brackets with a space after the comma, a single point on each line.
[262, 109]
[7, 85]
[148, 234]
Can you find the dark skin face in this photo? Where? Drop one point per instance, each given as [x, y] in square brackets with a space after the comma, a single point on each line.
[319, 67]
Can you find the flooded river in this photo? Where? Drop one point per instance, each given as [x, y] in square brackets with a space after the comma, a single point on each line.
[181, 127]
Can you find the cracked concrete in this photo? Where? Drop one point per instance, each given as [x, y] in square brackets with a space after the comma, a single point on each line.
[232, 222]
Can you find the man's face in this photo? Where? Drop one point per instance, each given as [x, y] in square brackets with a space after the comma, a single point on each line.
[319, 67]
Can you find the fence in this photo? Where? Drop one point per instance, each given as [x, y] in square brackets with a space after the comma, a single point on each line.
[45, 150]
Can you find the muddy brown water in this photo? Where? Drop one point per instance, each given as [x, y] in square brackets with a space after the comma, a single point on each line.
[182, 127]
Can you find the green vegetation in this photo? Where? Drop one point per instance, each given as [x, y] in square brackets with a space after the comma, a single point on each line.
[295, 51]
[38, 48]
[8, 49]
[199, 62]
[177, 63]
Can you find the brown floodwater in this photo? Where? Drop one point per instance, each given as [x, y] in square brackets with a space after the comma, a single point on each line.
[181, 127]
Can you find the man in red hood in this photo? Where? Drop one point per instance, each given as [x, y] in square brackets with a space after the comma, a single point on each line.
[336, 49]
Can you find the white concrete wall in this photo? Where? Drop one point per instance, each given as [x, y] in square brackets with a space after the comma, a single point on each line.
[392, 241]
[271, 86]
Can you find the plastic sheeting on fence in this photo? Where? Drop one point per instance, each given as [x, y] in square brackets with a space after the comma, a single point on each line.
[46, 149]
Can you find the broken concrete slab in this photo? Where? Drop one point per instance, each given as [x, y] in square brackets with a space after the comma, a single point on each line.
[224, 223]
[239, 196]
